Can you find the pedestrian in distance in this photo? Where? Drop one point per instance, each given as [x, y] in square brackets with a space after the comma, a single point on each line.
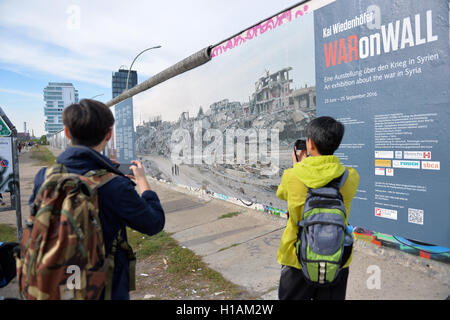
[315, 248]
[97, 242]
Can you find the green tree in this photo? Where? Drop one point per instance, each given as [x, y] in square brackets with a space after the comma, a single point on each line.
[43, 139]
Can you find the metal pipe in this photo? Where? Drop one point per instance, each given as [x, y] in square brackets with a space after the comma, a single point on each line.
[191, 62]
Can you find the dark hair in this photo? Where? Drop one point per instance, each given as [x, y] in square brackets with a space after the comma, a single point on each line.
[326, 133]
[88, 122]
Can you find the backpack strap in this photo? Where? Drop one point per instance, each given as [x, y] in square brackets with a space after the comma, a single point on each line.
[120, 242]
[343, 178]
[56, 168]
[104, 175]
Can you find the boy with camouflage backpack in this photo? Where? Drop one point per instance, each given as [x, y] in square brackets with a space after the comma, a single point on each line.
[75, 244]
[63, 235]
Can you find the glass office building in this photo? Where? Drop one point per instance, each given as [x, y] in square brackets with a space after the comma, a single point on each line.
[57, 96]
[123, 113]
[119, 81]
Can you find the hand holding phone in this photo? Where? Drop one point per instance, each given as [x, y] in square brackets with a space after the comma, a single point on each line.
[125, 169]
[299, 151]
[138, 173]
[300, 144]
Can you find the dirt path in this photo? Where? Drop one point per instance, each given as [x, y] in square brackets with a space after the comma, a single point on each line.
[28, 168]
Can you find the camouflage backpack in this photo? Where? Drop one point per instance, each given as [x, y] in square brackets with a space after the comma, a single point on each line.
[62, 253]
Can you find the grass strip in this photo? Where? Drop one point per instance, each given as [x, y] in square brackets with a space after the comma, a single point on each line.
[181, 262]
[8, 233]
[43, 155]
[229, 215]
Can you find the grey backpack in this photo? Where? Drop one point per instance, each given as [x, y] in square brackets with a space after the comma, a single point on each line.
[323, 244]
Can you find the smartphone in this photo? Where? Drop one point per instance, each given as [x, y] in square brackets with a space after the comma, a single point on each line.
[299, 145]
[125, 169]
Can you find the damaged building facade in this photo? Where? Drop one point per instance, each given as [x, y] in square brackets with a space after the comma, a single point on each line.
[272, 93]
[273, 104]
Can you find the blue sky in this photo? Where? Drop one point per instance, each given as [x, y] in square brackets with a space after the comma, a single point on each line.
[83, 42]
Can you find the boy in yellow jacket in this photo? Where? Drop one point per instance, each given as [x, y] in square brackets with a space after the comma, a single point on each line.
[324, 135]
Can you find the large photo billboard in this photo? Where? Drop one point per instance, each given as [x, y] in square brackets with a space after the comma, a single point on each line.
[228, 126]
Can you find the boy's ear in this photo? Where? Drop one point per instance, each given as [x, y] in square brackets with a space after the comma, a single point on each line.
[67, 133]
[109, 134]
[311, 147]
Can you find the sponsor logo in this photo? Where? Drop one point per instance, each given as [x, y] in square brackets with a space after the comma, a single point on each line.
[379, 171]
[386, 213]
[417, 155]
[384, 154]
[4, 163]
[390, 172]
[406, 164]
[431, 165]
[382, 163]
[398, 154]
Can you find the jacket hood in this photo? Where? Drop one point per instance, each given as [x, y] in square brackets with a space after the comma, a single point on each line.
[316, 172]
[80, 160]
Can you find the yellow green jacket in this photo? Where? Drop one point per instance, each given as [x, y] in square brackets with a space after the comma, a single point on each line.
[314, 172]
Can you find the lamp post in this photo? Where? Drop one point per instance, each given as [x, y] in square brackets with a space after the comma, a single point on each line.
[98, 95]
[128, 77]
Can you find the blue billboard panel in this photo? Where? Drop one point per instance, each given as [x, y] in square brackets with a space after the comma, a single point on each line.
[382, 68]
[124, 131]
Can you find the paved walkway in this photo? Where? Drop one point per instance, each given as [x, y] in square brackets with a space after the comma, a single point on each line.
[243, 247]
[27, 170]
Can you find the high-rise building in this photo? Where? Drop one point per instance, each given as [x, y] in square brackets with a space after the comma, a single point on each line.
[119, 81]
[57, 96]
[123, 113]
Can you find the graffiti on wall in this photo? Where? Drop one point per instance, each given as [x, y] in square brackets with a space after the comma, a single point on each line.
[425, 251]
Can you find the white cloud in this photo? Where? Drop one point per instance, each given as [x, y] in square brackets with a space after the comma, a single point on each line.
[111, 33]
[38, 58]
[21, 93]
[38, 40]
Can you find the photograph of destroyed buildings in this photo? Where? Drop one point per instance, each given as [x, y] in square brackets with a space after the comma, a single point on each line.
[266, 83]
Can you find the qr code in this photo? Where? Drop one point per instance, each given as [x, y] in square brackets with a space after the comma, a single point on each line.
[415, 216]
